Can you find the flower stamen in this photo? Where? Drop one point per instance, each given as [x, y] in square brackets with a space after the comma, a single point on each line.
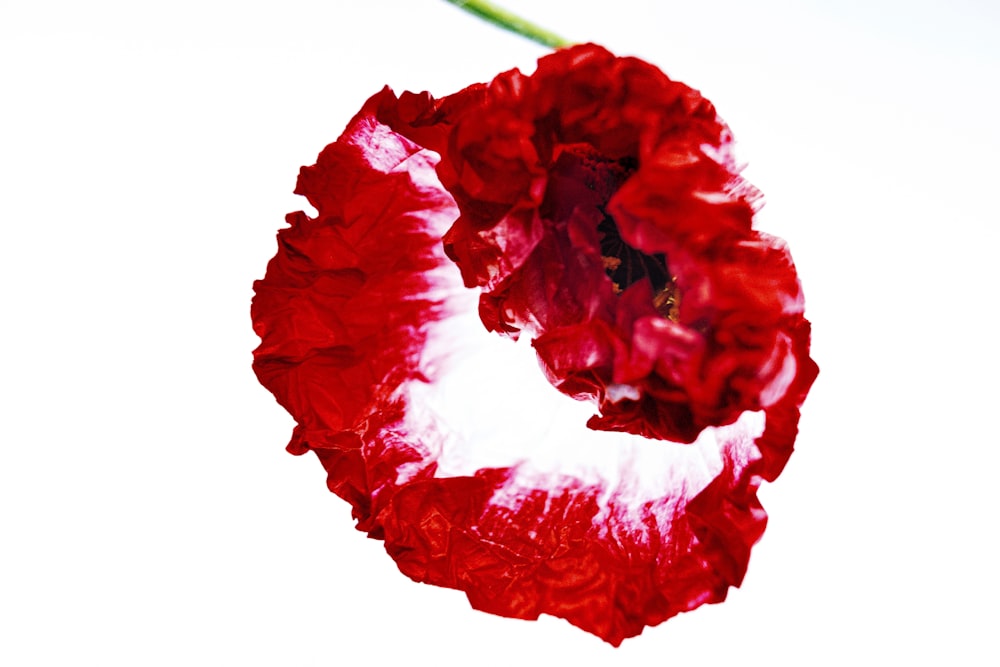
[625, 265]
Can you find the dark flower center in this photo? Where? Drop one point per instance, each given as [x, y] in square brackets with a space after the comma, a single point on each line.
[581, 177]
[625, 265]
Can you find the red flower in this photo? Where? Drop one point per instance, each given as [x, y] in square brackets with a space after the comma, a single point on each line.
[593, 205]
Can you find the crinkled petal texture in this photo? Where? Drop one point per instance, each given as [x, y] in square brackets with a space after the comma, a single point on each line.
[593, 206]
[555, 174]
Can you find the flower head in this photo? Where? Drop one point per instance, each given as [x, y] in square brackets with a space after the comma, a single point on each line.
[594, 208]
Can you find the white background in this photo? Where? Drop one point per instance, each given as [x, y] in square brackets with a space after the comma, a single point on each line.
[148, 512]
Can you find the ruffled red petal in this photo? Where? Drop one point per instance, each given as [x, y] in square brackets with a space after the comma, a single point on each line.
[358, 309]
[535, 163]
[343, 309]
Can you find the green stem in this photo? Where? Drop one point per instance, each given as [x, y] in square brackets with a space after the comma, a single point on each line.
[501, 17]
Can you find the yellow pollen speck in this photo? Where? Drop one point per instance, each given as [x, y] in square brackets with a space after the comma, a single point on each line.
[666, 301]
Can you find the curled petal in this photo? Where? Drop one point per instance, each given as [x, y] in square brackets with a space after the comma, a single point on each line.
[445, 438]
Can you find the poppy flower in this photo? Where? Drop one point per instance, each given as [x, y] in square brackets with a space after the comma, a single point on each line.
[536, 343]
